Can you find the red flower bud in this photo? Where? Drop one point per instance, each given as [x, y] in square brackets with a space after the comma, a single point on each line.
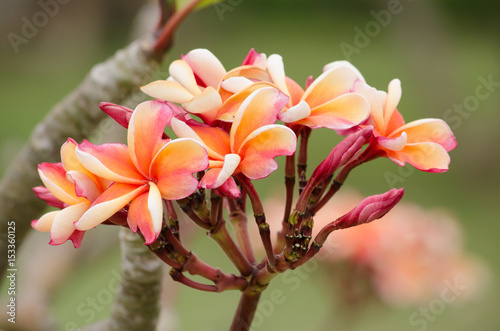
[120, 114]
[369, 209]
[341, 154]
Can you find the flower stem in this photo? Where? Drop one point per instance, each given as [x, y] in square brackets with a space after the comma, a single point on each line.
[260, 218]
[245, 311]
[305, 133]
[226, 242]
[165, 35]
[239, 222]
[289, 185]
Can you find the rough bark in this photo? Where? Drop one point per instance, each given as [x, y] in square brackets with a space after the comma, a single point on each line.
[137, 303]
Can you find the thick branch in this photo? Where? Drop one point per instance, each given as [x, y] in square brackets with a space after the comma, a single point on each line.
[136, 305]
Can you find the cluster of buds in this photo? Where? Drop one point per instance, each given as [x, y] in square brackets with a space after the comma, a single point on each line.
[228, 135]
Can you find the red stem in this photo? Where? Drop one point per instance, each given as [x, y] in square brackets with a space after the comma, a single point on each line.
[226, 242]
[240, 224]
[165, 38]
[245, 311]
[260, 218]
[289, 185]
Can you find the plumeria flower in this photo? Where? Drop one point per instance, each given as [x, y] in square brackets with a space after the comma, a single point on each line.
[71, 187]
[423, 143]
[201, 85]
[252, 143]
[146, 171]
[193, 83]
[328, 101]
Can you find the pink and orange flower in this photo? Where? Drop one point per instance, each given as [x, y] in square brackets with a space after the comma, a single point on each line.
[201, 85]
[423, 143]
[238, 135]
[143, 173]
[70, 187]
[250, 146]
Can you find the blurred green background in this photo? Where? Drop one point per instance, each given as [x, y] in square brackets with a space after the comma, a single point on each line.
[440, 50]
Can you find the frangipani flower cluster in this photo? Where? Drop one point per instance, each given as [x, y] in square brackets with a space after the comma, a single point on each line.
[230, 125]
[408, 257]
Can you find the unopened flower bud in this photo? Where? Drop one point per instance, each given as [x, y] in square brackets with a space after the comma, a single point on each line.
[341, 154]
[370, 209]
[120, 114]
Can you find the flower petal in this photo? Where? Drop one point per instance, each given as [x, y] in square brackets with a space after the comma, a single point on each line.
[229, 189]
[393, 144]
[392, 101]
[255, 59]
[426, 156]
[262, 146]
[174, 166]
[251, 72]
[110, 161]
[208, 101]
[145, 133]
[146, 213]
[295, 113]
[340, 113]
[276, 70]
[215, 140]
[259, 109]
[429, 130]
[43, 193]
[206, 66]
[155, 207]
[76, 238]
[139, 217]
[44, 224]
[329, 85]
[54, 178]
[109, 202]
[214, 178]
[63, 227]
[69, 159]
[182, 73]
[344, 63]
[168, 91]
[375, 99]
[236, 84]
[233, 103]
[85, 186]
[296, 92]
[394, 123]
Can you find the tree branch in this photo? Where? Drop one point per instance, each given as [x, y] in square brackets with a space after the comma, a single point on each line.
[136, 305]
